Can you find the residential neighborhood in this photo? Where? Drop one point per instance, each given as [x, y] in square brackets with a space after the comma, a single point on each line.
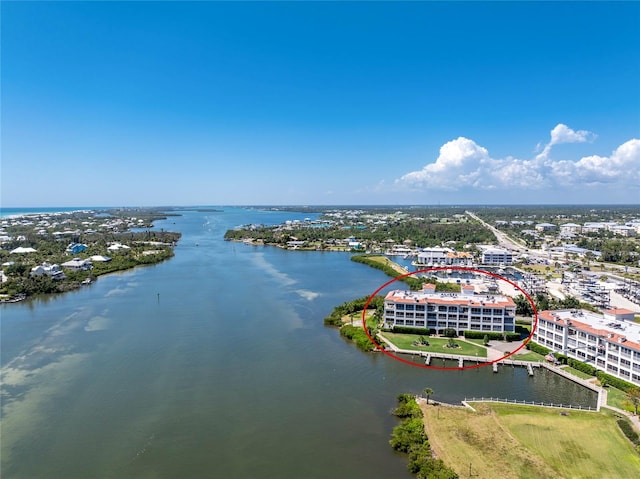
[56, 252]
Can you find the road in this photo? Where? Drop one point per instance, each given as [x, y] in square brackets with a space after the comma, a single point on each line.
[503, 240]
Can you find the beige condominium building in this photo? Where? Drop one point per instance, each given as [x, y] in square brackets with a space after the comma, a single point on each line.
[439, 311]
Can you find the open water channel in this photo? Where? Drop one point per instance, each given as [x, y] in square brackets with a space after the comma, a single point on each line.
[216, 363]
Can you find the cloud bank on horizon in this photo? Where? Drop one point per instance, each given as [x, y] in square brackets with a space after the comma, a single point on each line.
[463, 164]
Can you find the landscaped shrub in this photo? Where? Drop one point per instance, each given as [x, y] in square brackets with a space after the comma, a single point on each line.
[537, 348]
[491, 335]
[614, 381]
[580, 366]
[410, 330]
[628, 431]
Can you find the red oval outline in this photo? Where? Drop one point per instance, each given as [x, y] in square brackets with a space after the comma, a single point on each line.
[459, 268]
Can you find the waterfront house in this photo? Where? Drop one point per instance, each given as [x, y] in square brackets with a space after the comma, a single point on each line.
[77, 264]
[100, 258]
[118, 247]
[51, 270]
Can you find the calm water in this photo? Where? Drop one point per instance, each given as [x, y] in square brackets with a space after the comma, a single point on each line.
[215, 364]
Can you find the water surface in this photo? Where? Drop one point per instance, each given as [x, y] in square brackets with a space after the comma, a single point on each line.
[215, 364]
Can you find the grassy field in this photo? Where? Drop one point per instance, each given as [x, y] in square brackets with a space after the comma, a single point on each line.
[525, 442]
[436, 345]
[617, 398]
[528, 356]
[577, 373]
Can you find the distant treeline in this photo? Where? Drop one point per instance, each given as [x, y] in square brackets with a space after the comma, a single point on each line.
[556, 213]
[422, 233]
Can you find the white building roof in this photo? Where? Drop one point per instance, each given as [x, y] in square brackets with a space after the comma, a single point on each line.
[21, 249]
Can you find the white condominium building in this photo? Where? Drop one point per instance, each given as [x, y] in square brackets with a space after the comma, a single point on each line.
[609, 341]
[443, 257]
[439, 311]
[496, 256]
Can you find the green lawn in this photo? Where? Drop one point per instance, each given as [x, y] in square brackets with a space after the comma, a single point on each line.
[569, 443]
[436, 345]
[617, 398]
[528, 356]
[508, 441]
[577, 373]
[477, 341]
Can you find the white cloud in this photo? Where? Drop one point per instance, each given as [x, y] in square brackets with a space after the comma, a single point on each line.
[462, 163]
[461, 158]
[563, 134]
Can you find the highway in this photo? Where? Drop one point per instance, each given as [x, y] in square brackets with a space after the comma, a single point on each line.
[503, 240]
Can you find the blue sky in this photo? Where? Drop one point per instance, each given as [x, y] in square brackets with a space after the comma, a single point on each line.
[161, 103]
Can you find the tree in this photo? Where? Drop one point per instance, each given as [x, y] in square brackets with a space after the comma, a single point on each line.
[427, 392]
[450, 333]
[451, 343]
[633, 395]
[570, 302]
[485, 340]
[523, 306]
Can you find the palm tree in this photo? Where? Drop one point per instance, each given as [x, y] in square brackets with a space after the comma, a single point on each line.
[427, 392]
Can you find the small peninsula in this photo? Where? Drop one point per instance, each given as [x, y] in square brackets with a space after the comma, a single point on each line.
[44, 253]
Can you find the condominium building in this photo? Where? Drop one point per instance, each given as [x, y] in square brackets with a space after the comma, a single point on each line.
[433, 256]
[497, 256]
[439, 311]
[609, 341]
